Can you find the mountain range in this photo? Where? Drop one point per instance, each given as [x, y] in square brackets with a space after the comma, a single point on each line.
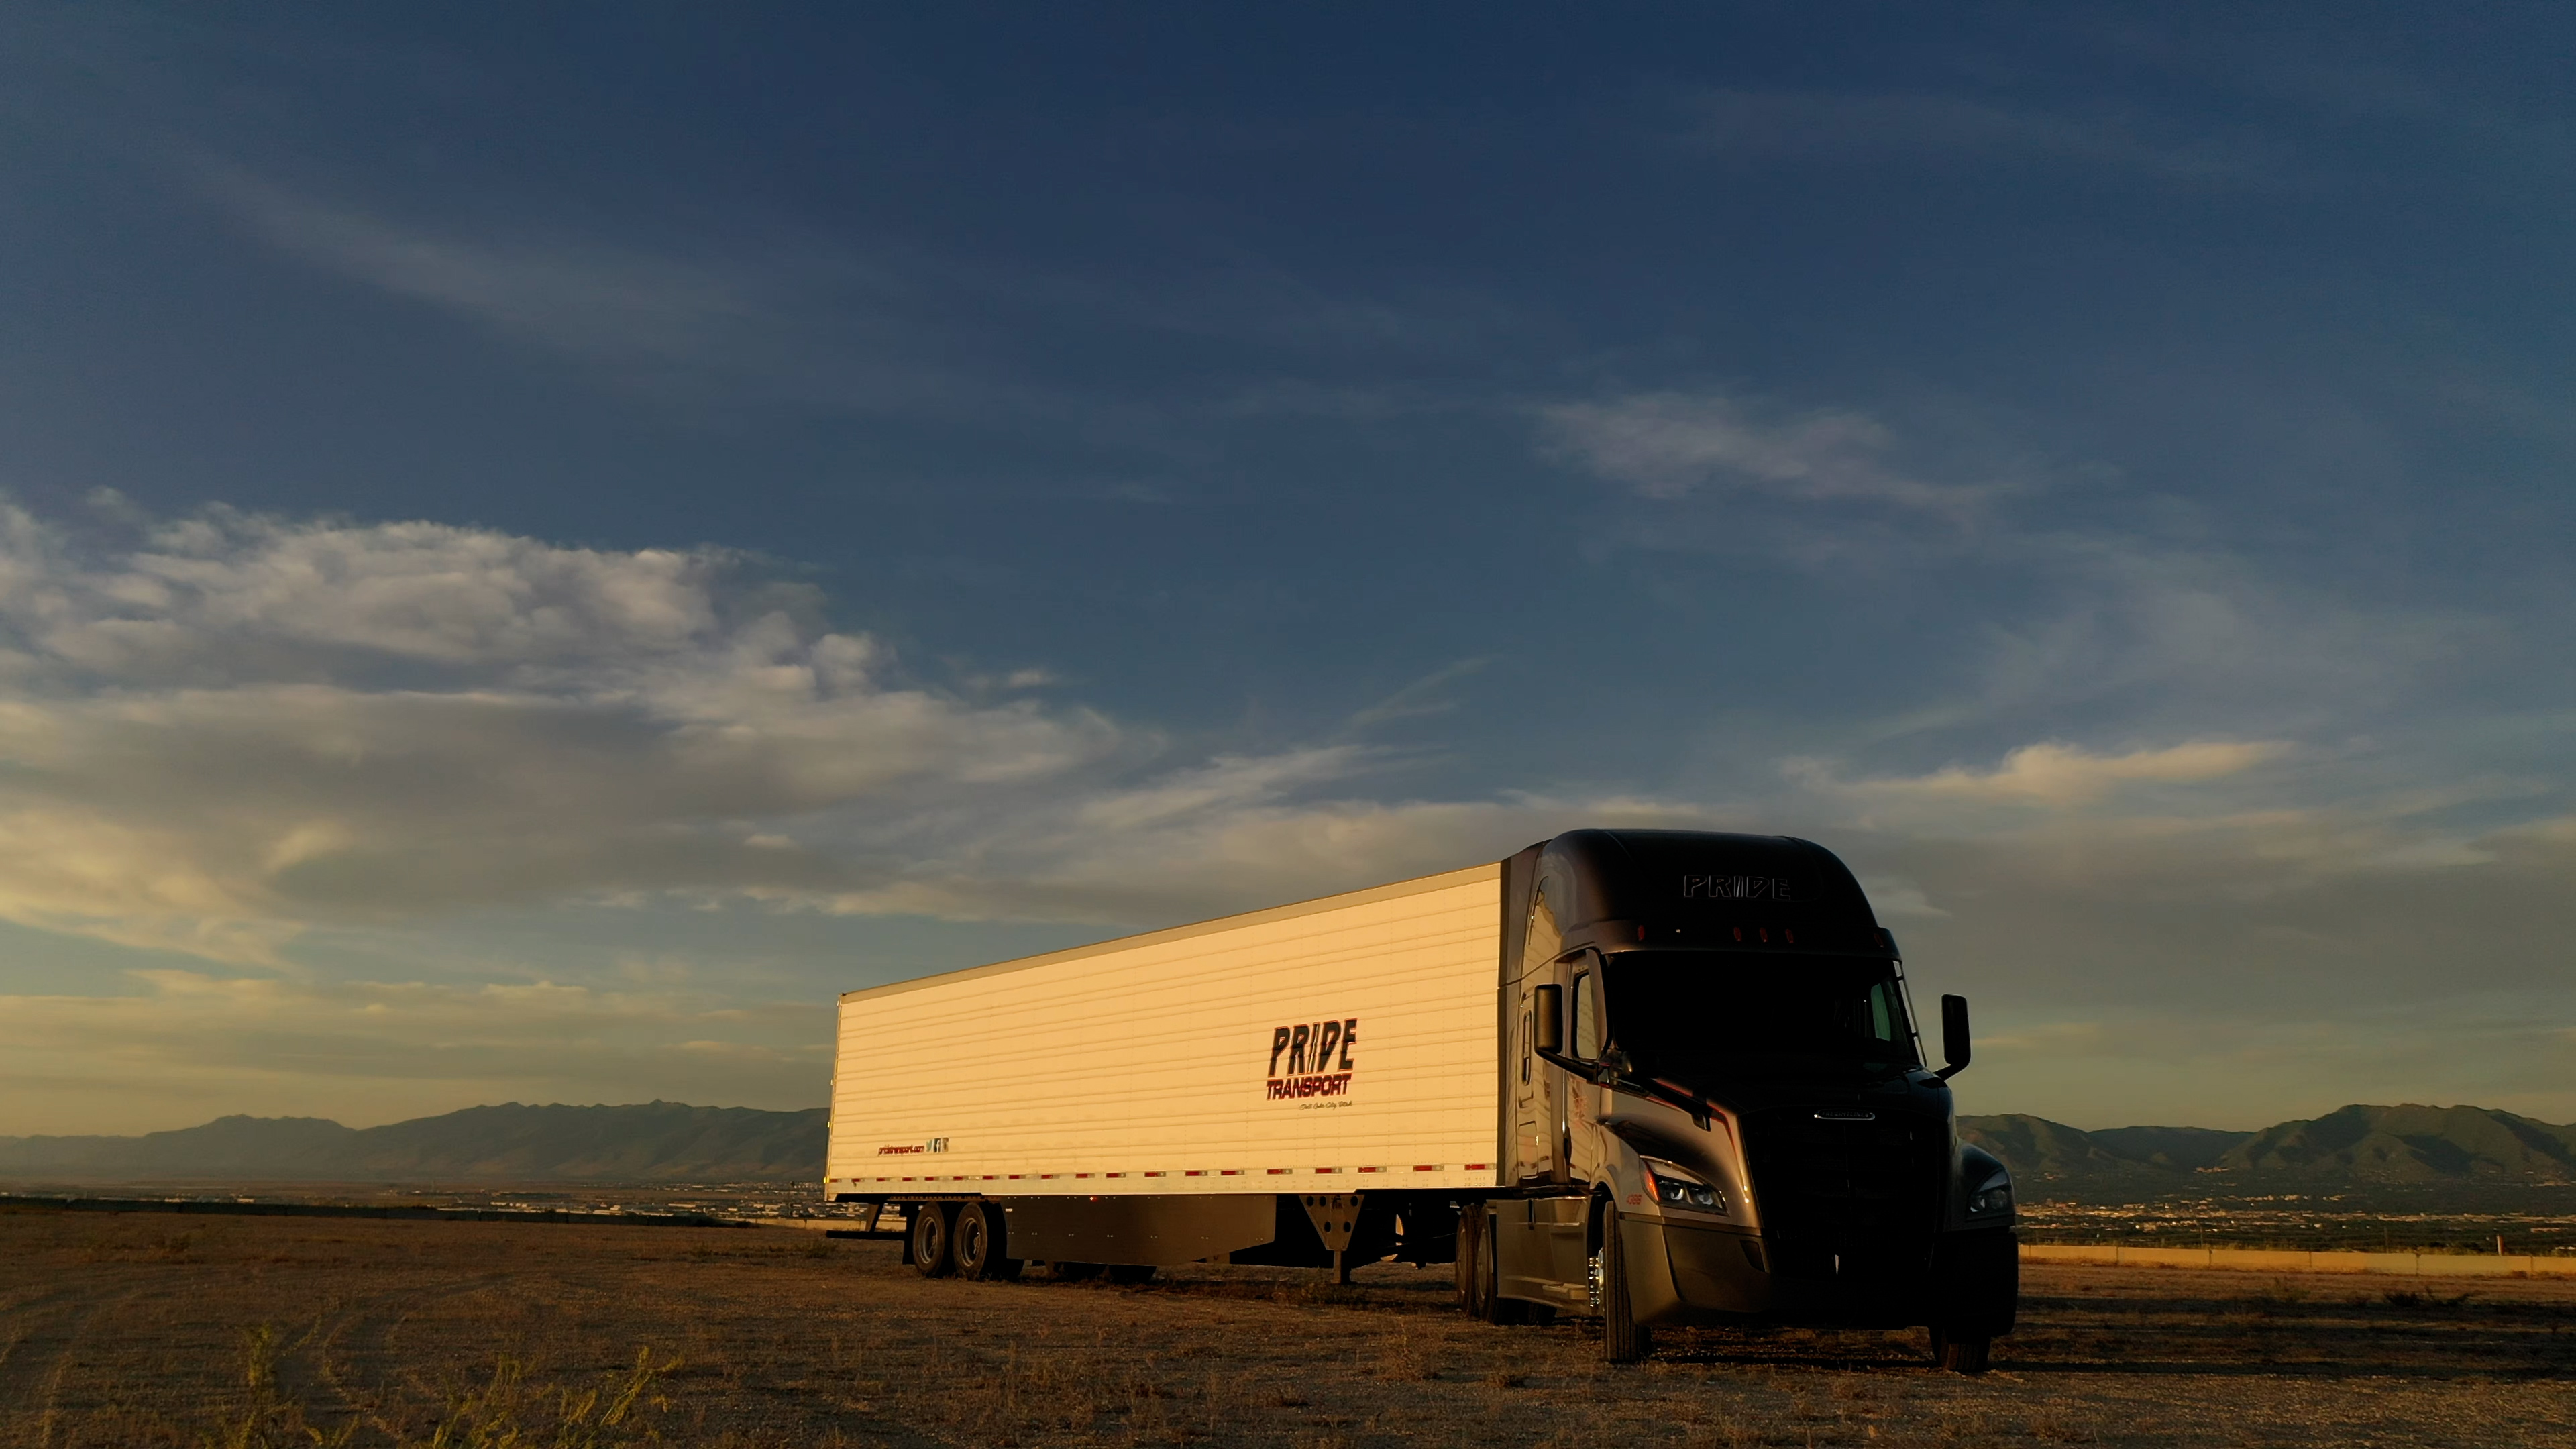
[2351, 1148]
[2357, 1147]
[645, 1142]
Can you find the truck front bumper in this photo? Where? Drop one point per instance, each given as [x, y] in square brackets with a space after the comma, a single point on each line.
[1718, 1274]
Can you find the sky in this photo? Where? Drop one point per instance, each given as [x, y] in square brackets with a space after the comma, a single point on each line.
[539, 544]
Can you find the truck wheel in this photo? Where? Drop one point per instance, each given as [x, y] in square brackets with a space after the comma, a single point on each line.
[1476, 1264]
[1961, 1353]
[1623, 1340]
[977, 1244]
[1131, 1274]
[1480, 1264]
[930, 1241]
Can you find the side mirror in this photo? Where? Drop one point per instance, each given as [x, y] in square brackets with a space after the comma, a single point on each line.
[1547, 1027]
[1954, 1036]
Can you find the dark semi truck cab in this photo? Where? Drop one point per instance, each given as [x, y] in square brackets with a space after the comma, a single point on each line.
[1716, 1106]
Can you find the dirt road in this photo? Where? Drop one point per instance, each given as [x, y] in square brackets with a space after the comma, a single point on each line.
[143, 1329]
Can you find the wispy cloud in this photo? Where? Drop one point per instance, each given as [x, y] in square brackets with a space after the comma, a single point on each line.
[1673, 444]
[2072, 593]
[1423, 697]
[868, 324]
[1825, 126]
[2059, 775]
[1229, 837]
[733, 321]
[580, 297]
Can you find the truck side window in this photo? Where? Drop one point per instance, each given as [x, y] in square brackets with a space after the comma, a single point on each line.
[1587, 1018]
[1882, 1017]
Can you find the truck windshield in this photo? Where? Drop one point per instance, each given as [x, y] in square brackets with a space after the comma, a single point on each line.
[1677, 1009]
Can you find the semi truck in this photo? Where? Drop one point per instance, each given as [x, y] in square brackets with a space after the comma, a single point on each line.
[1641, 1077]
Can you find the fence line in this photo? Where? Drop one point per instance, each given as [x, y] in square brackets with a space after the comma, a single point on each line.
[2258, 1260]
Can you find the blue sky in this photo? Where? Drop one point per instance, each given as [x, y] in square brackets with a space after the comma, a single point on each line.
[542, 544]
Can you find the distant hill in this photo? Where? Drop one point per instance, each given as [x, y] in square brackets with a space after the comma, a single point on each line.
[2187, 1149]
[2355, 1147]
[2411, 1144]
[2043, 1152]
[647, 1142]
[2392, 1148]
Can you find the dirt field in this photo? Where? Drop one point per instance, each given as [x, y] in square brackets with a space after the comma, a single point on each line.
[147, 1329]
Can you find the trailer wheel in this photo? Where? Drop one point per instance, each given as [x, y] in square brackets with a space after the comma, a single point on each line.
[1961, 1353]
[977, 1244]
[1623, 1339]
[1131, 1274]
[931, 1241]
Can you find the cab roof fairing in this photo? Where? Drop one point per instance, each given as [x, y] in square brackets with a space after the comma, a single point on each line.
[1683, 887]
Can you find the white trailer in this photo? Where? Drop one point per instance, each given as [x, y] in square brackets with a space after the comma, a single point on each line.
[1390, 1072]
[1315, 1050]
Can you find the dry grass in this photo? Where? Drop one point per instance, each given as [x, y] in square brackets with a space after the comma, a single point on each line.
[505, 1411]
[151, 1330]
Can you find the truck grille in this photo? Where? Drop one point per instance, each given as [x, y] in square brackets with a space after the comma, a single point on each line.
[1847, 1196]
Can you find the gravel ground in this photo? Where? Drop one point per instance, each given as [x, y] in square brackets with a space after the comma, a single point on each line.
[158, 1329]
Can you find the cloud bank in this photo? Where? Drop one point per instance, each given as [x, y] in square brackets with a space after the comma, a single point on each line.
[236, 725]
[228, 736]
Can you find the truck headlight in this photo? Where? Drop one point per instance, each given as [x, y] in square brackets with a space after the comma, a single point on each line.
[1674, 1188]
[1994, 1197]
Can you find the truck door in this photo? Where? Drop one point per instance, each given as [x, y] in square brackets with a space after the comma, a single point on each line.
[1540, 1126]
[1539, 1107]
[1571, 1102]
[1579, 1134]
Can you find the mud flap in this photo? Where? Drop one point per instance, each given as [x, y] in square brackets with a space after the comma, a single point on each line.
[1976, 1282]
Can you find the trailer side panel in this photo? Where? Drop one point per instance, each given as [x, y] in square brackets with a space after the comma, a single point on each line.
[1344, 1044]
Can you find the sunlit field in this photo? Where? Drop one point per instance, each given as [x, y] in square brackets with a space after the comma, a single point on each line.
[2314, 1222]
[163, 1329]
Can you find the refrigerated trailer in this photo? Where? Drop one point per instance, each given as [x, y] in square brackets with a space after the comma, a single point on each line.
[1647, 1077]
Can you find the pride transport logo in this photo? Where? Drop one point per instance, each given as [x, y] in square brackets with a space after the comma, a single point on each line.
[1318, 1057]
